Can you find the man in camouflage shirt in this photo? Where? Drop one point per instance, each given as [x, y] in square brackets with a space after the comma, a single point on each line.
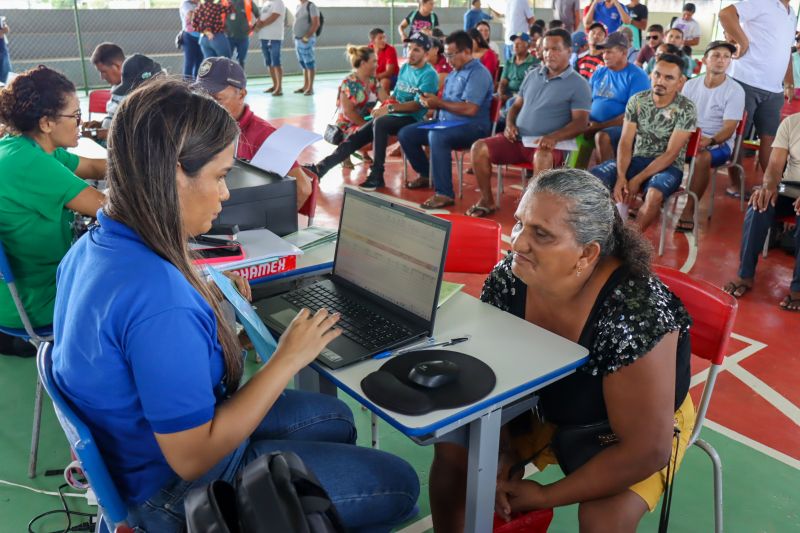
[652, 149]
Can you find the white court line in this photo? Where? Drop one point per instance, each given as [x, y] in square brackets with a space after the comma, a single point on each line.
[780, 402]
[692, 257]
[733, 359]
[747, 441]
[420, 526]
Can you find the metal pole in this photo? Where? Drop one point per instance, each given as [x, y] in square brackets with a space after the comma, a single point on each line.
[391, 21]
[80, 47]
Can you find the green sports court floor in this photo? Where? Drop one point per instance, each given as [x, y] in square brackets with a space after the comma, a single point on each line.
[762, 487]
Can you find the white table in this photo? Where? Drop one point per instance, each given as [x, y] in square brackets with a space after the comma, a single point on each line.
[524, 358]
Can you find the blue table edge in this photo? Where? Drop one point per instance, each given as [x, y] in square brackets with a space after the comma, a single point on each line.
[430, 429]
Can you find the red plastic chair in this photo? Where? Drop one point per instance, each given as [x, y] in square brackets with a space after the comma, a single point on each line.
[692, 148]
[310, 206]
[533, 522]
[731, 163]
[713, 313]
[494, 115]
[98, 100]
[474, 244]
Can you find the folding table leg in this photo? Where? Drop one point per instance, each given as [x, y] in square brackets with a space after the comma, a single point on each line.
[484, 443]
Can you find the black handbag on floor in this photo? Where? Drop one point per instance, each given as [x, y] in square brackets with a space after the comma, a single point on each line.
[274, 493]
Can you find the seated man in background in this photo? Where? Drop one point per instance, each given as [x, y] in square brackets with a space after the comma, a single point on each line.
[416, 77]
[388, 67]
[632, 52]
[516, 68]
[580, 47]
[652, 150]
[766, 204]
[587, 64]
[675, 37]
[553, 104]
[612, 86]
[653, 38]
[465, 104]
[226, 82]
[720, 104]
[107, 59]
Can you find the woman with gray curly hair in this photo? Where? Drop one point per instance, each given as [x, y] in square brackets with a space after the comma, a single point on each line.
[577, 270]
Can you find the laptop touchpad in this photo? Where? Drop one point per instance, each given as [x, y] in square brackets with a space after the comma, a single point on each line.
[284, 317]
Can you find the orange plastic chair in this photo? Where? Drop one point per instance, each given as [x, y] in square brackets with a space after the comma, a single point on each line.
[692, 148]
[713, 313]
[310, 206]
[98, 100]
[474, 244]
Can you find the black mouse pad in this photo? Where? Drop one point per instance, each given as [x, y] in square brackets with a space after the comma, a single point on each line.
[390, 387]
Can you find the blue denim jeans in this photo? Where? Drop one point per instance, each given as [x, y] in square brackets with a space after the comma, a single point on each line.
[754, 232]
[240, 47]
[271, 50]
[217, 46]
[192, 55]
[442, 143]
[373, 491]
[5, 61]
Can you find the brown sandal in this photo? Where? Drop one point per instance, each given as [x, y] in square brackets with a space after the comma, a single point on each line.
[437, 202]
[419, 183]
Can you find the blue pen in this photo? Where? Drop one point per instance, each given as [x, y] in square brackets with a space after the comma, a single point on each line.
[389, 353]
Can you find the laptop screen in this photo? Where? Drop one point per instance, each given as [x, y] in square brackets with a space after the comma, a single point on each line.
[391, 251]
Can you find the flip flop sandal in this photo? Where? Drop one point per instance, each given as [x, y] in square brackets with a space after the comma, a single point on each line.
[279, 93]
[269, 90]
[735, 194]
[419, 183]
[685, 226]
[737, 290]
[308, 93]
[298, 91]
[437, 202]
[479, 211]
[348, 164]
[790, 304]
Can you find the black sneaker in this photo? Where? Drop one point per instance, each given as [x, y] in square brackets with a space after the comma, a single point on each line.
[371, 184]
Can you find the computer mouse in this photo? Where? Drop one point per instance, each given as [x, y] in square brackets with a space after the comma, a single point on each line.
[434, 374]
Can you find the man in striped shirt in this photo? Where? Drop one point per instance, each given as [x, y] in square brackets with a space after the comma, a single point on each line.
[593, 59]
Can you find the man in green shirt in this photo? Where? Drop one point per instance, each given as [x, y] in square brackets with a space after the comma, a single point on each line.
[516, 67]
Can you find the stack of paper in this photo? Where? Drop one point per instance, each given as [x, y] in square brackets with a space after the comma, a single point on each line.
[311, 237]
[260, 246]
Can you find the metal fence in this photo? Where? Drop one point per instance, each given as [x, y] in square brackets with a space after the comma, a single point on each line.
[63, 33]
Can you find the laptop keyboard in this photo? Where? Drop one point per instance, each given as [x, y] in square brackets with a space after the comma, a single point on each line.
[357, 321]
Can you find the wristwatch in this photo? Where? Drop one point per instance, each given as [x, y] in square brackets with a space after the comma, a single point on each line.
[390, 108]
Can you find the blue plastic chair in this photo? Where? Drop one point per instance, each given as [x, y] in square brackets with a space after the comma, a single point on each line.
[35, 337]
[112, 511]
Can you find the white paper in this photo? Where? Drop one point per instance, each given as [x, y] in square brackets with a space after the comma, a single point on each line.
[530, 141]
[260, 245]
[89, 149]
[263, 341]
[281, 149]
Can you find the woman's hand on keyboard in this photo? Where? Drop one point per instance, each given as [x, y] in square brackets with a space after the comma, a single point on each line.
[306, 336]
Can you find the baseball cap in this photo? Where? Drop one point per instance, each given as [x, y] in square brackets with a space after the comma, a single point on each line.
[578, 40]
[217, 73]
[614, 39]
[136, 69]
[597, 25]
[421, 39]
[524, 36]
[720, 44]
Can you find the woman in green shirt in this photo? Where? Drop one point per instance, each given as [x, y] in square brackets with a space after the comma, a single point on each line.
[40, 186]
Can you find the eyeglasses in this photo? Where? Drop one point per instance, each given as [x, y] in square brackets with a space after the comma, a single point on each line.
[449, 56]
[77, 116]
[653, 37]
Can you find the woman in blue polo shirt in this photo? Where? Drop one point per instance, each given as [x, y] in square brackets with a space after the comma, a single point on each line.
[153, 367]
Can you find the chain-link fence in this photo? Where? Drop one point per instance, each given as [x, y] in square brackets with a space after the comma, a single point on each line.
[63, 33]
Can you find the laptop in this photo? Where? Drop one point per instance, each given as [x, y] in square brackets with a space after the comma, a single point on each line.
[385, 282]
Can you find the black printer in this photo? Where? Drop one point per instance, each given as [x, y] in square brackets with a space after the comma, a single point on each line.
[259, 199]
